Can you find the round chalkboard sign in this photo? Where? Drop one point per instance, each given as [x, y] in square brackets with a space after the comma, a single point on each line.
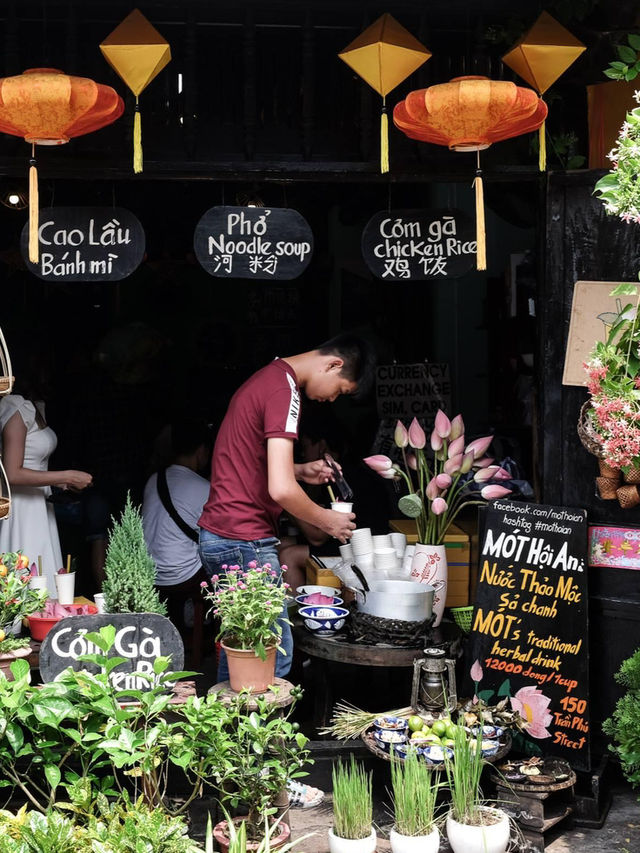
[85, 244]
[253, 242]
[419, 245]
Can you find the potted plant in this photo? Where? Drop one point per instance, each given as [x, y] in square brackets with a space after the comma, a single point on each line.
[130, 573]
[238, 842]
[415, 791]
[17, 598]
[249, 605]
[472, 825]
[253, 756]
[459, 475]
[11, 649]
[624, 724]
[352, 830]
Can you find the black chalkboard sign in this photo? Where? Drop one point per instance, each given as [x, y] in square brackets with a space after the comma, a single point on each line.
[85, 244]
[140, 638]
[529, 637]
[417, 245]
[253, 242]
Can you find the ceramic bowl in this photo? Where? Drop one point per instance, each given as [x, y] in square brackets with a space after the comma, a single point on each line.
[309, 589]
[389, 723]
[402, 749]
[387, 739]
[488, 732]
[317, 599]
[323, 620]
[436, 754]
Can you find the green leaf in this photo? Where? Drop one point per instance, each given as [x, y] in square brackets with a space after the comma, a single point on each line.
[626, 54]
[52, 772]
[104, 638]
[621, 66]
[485, 695]
[625, 289]
[113, 662]
[505, 688]
[161, 664]
[631, 74]
[15, 736]
[611, 73]
[20, 669]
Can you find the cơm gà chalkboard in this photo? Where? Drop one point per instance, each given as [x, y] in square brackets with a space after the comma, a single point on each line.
[418, 245]
[85, 244]
[529, 638]
[253, 242]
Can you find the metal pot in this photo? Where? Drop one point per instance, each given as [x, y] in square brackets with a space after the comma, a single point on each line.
[404, 600]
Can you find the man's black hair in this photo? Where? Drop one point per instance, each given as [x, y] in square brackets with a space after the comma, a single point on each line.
[187, 435]
[358, 356]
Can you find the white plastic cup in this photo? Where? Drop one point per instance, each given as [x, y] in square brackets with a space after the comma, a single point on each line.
[346, 552]
[65, 587]
[408, 559]
[381, 541]
[38, 582]
[399, 542]
[342, 506]
[98, 599]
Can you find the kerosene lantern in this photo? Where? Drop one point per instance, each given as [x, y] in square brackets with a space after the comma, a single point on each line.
[434, 683]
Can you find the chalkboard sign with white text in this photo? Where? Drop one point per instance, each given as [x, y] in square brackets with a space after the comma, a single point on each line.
[253, 242]
[529, 636]
[85, 244]
[417, 245]
[140, 638]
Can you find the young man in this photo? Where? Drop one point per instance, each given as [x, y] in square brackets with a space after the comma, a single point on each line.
[254, 476]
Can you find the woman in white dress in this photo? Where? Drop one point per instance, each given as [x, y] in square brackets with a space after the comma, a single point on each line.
[27, 444]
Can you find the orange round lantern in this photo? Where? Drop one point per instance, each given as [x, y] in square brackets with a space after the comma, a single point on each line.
[469, 114]
[48, 107]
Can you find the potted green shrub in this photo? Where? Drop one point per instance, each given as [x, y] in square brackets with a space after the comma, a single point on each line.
[238, 842]
[248, 602]
[415, 791]
[624, 724]
[352, 830]
[472, 825]
[130, 573]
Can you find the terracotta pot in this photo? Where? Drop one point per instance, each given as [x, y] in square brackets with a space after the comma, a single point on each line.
[491, 838]
[7, 658]
[247, 671]
[429, 565]
[278, 838]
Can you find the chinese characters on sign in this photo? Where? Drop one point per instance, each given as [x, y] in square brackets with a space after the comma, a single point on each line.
[416, 245]
[529, 630]
[253, 242]
[86, 244]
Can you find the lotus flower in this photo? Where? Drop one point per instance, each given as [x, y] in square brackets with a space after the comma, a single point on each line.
[476, 672]
[432, 489]
[443, 481]
[484, 462]
[452, 466]
[400, 436]
[490, 492]
[442, 424]
[479, 446]
[457, 428]
[532, 704]
[456, 446]
[412, 461]
[379, 463]
[436, 441]
[417, 438]
[491, 472]
[467, 463]
[439, 506]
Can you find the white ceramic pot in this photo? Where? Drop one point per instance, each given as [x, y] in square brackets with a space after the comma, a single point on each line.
[493, 838]
[414, 843]
[352, 845]
[429, 565]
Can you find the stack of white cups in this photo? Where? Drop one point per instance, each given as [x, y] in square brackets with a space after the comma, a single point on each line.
[362, 548]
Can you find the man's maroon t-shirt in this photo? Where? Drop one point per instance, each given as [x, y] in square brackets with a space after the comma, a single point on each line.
[266, 406]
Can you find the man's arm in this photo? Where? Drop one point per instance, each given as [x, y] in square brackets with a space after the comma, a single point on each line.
[284, 490]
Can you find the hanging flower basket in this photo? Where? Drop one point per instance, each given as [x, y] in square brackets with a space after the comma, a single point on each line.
[586, 432]
[6, 378]
[5, 494]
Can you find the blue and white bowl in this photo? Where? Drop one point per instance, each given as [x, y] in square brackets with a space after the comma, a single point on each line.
[310, 588]
[323, 620]
[402, 749]
[303, 601]
[388, 738]
[436, 754]
[488, 732]
[387, 722]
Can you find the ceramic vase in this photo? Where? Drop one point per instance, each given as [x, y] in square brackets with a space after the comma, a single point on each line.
[429, 565]
[490, 838]
[352, 845]
[414, 843]
[249, 672]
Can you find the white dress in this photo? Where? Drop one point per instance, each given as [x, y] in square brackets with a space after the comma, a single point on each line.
[31, 525]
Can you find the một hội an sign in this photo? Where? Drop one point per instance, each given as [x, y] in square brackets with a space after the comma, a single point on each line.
[86, 244]
[407, 391]
[529, 636]
[253, 242]
[419, 245]
[140, 638]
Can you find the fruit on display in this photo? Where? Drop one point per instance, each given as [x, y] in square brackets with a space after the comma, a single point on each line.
[415, 723]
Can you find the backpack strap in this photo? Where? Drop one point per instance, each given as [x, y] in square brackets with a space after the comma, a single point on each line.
[165, 497]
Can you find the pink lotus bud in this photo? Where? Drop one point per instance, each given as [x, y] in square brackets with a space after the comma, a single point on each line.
[442, 425]
[400, 436]
[467, 463]
[484, 462]
[443, 481]
[490, 492]
[479, 445]
[432, 489]
[457, 427]
[501, 474]
[439, 506]
[390, 474]
[412, 461]
[436, 441]
[476, 671]
[452, 466]
[378, 463]
[483, 475]
[456, 446]
[417, 438]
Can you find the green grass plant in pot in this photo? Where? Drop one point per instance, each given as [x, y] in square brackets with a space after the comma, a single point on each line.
[248, 602]
[415, 790]
[472, 825]
[352, 830]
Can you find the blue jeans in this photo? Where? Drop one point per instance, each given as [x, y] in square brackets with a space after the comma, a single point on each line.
[216, 552]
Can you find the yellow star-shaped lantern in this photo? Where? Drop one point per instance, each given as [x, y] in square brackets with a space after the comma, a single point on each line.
[384, 55]
[137, 52]
[541, 56]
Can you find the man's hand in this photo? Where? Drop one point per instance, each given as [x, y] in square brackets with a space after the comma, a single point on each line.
[340, 525]
[315, 473]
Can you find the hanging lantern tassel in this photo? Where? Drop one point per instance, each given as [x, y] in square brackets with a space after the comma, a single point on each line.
[542, 147]
[34, 249]
[384, 139]
[137, 139]
[481, 238]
